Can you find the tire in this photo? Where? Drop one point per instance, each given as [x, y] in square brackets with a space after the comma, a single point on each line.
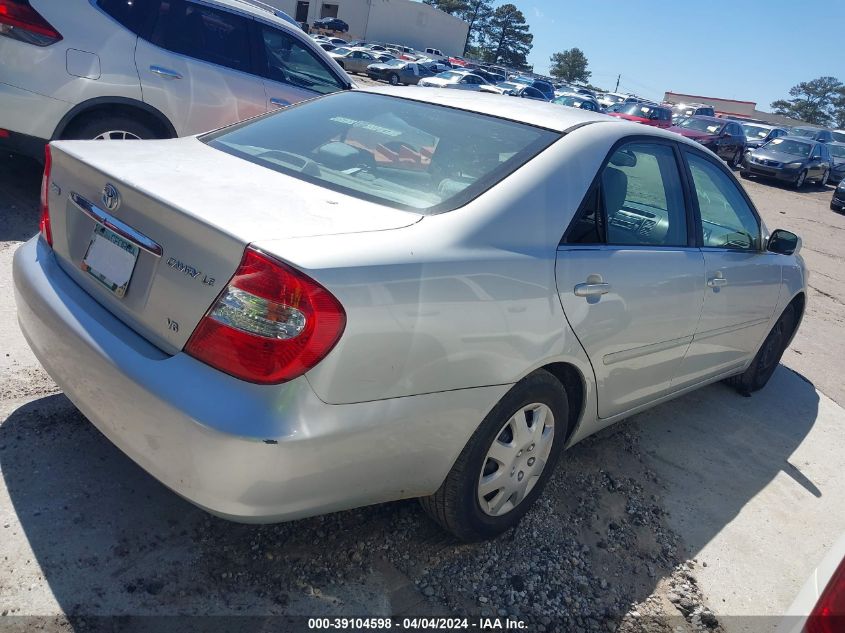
[744, 174]
[393, 79]
[737, 159]
[457, 505]
[800, 180]
[825, 178]
[119, 128]
[767, 358]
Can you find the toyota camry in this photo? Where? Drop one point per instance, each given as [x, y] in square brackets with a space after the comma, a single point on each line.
[377, 295]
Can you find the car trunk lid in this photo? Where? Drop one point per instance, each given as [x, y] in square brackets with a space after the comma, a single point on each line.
[192, 210]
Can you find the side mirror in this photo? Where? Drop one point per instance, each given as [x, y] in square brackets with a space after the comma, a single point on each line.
[784, 242]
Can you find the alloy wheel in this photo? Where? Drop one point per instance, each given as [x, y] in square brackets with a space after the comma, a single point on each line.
[516, 459]
[824, 179]
[117, 135]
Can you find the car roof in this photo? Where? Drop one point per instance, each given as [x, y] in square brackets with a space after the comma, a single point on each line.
[538, 113]
[803, 139]
[258, 9]
[763, 125]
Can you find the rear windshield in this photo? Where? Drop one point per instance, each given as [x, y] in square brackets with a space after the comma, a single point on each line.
[397, 152]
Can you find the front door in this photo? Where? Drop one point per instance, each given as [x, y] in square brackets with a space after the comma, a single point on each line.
[196, 68]
[292, 71]
[743, 280]
[628, 278]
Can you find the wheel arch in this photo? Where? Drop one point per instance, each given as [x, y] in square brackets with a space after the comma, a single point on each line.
[799, 302]
[572, 381]
[116, 105]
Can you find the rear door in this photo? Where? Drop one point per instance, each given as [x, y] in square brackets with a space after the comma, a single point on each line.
[743, 280]
[195, 67]
[629, 276]
[291, 70]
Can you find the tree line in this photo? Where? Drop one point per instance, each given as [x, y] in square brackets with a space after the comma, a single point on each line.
[820, 101]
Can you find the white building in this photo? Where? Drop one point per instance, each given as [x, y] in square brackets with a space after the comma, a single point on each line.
[391, 21]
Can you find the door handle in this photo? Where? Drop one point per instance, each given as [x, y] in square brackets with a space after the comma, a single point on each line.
[279, 103]
[165, 72]
[594, 287]
[717, 282]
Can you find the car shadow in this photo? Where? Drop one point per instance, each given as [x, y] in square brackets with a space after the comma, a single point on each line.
[110, 540]
[20, 185]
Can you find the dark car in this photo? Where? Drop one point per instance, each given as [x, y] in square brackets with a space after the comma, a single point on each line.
[790, 159]
[683, 111]
[757, 134]
[645, 113]
[837, 161]
[837, 203]
[331, 24]
[398, 71]
[576, 100]
[816, 133]
[545, 87]
[724, 138]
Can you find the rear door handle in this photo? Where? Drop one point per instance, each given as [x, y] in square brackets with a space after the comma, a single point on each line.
[594, 287]
[717, 282]
[279, 103]
[165, 72]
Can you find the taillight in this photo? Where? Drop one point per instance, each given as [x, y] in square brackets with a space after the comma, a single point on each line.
[20, 21]
[44, 221]
[828, 616]
[270, 324]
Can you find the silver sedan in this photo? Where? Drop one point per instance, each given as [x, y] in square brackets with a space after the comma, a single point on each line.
[377, 295]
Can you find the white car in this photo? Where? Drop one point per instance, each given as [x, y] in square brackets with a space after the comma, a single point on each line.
[105, 69]
[459, 80]
[819, 606]
[385, 294]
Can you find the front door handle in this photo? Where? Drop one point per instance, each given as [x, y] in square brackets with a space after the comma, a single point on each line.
[279, 103]
[165, 72]
[718, 281]
[594, 287]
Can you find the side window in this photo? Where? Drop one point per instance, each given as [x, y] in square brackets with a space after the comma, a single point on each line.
[639, 200]
[132, 15]
[727, 220]
[817, 152]
[289, 61]
[203, 33]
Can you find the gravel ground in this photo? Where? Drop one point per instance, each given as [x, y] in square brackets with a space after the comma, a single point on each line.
[85, 533]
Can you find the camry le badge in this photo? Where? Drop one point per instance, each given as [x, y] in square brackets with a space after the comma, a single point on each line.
[111, 197]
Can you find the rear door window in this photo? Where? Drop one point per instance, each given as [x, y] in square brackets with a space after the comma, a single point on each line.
[203, 33]
[287, 60]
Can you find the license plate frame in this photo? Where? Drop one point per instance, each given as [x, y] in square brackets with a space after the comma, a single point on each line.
[110, 259]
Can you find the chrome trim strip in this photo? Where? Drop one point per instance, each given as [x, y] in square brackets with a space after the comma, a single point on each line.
[700, 336]
[109, 221]
[629, 354]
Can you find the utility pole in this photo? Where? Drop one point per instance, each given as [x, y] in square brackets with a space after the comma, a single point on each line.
[618, 77]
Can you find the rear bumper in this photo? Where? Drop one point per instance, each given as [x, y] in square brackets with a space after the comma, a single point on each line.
[28, 113]
[246, 452]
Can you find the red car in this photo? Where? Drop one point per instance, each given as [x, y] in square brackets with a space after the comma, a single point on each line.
[722, 136]
[645, 113]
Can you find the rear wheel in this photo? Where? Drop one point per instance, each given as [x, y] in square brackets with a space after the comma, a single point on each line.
[102, 128]
[801, 179]
[744, 174]
[766, 361]
[737, 159]
[393, 79]
[825, 178]
[506, 463]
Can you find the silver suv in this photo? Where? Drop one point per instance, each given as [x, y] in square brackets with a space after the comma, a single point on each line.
[112, 69]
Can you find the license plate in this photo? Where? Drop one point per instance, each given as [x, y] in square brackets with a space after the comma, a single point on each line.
[110, 259]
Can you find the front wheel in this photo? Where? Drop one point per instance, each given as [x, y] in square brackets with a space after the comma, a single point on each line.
[737, 159]
[393, 79]
[506, 463]
[767, 358]
[801, 179]
[825, 178]
[744, 174]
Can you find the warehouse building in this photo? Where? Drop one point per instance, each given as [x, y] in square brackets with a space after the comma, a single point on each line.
[731, 108]
[395, 21]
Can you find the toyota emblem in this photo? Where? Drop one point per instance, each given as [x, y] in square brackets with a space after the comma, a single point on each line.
[111, 198]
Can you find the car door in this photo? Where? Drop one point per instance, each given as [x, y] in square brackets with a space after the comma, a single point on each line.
[629, 276]
[816, 167]
[195, 67]
[291, 69]
[361, 60]
[743, 280]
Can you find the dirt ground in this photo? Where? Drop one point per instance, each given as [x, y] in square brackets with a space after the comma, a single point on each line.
[706, 513]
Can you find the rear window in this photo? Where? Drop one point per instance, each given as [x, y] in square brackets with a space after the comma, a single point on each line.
[404, 154]
[130, 14]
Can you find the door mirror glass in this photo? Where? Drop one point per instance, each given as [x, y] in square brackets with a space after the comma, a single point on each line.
[784, 242]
